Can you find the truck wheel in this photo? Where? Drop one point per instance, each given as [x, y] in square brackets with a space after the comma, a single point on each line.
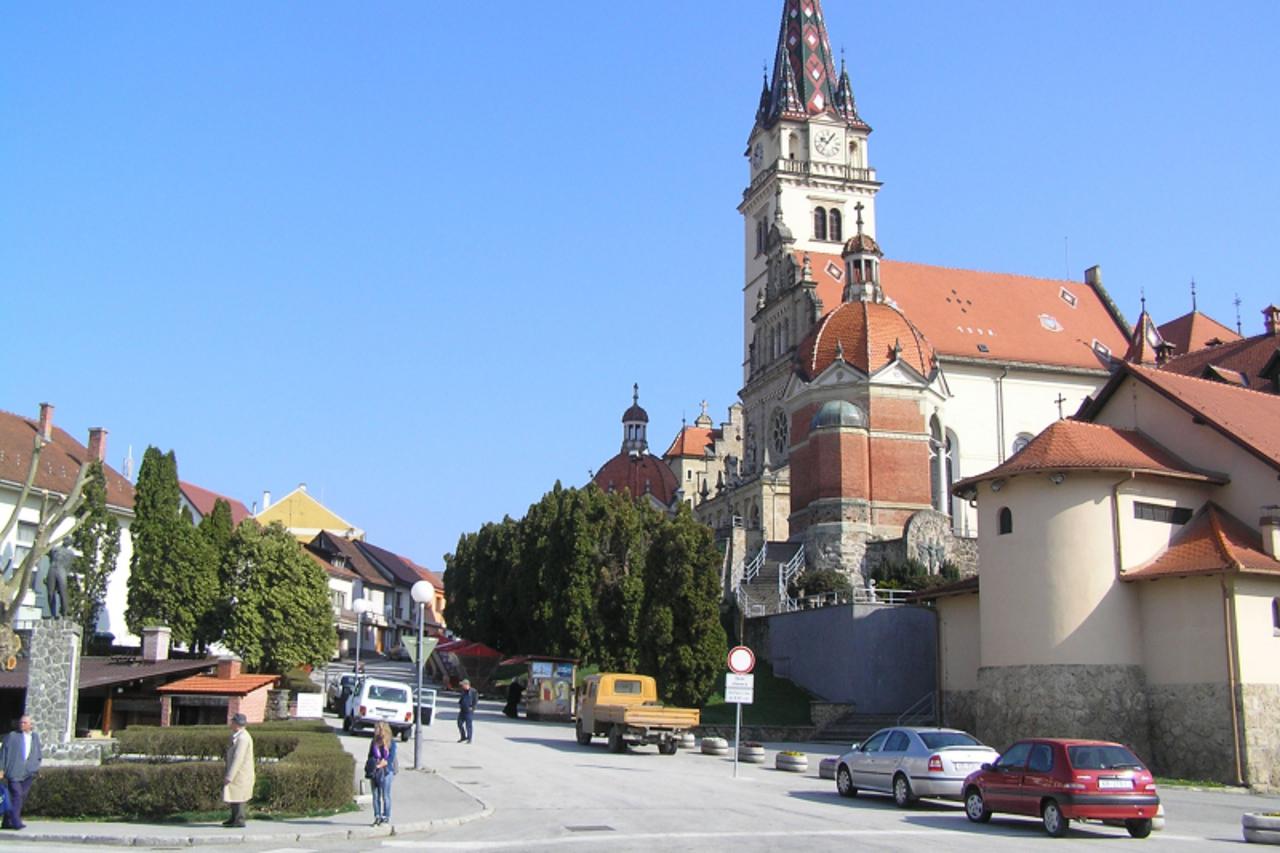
[667, 747]
[616, 743]
[584, 738]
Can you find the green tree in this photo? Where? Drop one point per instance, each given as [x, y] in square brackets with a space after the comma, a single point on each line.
[280, 613]
[97, 543]
[215, 532]
[158, 592]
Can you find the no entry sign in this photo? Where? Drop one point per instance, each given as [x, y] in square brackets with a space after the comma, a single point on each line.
[741, 660]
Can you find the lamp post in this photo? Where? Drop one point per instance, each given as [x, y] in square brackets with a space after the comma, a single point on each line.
[362, 607]
[421, 592]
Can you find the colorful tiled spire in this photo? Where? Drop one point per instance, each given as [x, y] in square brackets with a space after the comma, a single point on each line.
[804, 79]
[845, 104]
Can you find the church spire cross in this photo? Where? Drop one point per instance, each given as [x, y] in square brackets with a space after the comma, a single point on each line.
[635, 393]
[858, 208]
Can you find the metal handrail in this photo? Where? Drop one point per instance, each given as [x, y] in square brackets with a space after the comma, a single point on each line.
[918, 708]
[752, 569]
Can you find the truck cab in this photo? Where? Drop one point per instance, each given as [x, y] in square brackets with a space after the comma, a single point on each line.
[624, 708]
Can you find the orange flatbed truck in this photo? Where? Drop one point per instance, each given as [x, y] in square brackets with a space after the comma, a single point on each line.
[625, 709]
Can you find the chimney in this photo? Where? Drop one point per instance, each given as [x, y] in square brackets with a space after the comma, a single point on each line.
[46, 421]
[1093, 276]
[1270, 525]
[266, 500]
[1271, 320]
[228, 668]
[98, 444]
[155, 643]
[302, 487]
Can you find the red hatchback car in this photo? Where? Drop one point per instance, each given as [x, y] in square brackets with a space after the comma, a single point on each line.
[1059, 780]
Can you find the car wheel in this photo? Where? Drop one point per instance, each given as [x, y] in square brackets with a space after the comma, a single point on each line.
[616, 743]
[404, 735]
[844, 782]
[1138, 827]
[1054, 823]
[975, 808]
[584, 738]
[902, 791]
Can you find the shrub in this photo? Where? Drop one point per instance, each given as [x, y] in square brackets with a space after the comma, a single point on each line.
[313, 773]
[821, 582]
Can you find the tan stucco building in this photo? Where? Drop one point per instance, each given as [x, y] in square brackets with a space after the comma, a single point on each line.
[1130, 583]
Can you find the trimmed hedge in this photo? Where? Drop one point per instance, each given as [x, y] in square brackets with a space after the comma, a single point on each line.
[313, 773]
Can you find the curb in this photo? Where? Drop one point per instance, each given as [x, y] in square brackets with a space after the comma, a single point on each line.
[203, 840]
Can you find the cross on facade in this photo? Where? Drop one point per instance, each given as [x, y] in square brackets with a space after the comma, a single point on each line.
[1061, 399]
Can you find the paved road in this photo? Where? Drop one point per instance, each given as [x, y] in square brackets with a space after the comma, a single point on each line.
[549, 793]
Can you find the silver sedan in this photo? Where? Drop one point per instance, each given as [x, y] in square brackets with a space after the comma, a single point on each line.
[910, 762]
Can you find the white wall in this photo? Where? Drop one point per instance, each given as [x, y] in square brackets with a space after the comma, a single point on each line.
[1183, 640]
[959, 626]
[1255, 629]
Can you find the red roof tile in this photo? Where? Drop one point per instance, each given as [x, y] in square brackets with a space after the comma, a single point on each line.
[867, 335]
[639, 475]
[330, 568]
[692, 441]
[240, 685]
[1248, 356]
[203, 500]
[60, 460]
[1246, 417]
[1077, 445]
[1013, 316]
[1212, 542]
[326, 544]
[1193, 331]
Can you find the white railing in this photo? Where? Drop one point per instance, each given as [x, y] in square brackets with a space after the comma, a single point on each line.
[786, 573]
[752, 569]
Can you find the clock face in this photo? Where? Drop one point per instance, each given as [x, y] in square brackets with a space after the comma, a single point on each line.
[827, 143]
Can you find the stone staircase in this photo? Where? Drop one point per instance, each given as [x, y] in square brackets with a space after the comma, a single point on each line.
[854, 727]
[758, 594]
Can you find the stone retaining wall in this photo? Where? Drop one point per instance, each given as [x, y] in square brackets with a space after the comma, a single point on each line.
[1190, 727]
[960, 710]
[1260, 708]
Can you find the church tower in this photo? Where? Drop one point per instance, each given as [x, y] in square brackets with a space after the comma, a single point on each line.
[807, 155]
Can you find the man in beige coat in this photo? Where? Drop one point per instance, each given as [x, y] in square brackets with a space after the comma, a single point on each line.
[237, 787]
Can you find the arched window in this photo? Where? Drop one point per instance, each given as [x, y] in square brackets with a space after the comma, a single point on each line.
[794, 145]
[1006, 520]
[819, 223]
[837, 226]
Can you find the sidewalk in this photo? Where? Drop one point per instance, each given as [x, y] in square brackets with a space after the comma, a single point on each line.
[420, 801]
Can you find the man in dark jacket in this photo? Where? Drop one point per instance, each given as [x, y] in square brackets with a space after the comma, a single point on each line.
[19, 763]
[466, 709]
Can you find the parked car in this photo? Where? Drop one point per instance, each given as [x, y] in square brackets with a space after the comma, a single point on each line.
[1060, 780]
[377, 700]
[910, 762]
[337, 691]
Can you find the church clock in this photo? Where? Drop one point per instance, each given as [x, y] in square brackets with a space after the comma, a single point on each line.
[827, 143]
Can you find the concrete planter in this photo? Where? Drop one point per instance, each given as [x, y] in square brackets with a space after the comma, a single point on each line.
[715, 746]
[686, 741]
[827, 767]
[792, 763]
[1260, 829]
[751, 753]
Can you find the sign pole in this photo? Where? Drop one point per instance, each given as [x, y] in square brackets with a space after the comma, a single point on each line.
[737, 739]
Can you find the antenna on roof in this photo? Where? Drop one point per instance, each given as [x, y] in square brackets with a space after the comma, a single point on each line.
[1193, 295]
[1066, 258]
[1239, 330]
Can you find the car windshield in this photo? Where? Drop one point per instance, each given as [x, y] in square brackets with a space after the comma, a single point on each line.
[942, 740]
[1102, 757]
[387, 694]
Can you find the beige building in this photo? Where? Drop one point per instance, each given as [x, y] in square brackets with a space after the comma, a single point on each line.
[1130, 581]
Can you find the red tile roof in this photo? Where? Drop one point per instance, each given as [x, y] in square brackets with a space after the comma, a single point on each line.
[1145, 342]
[1247, 417]
[639, 475]
[1193, 331]
[867, 335]
[1212, 542]
[240, 685]
[203, 500]
[1078, 445]
[1248, 356]
[1013, 316]
[326, 544]
[692, 441]
[330, 568]
[60, 460]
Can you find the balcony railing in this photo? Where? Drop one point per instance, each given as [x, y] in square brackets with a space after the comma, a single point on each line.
[810, 168]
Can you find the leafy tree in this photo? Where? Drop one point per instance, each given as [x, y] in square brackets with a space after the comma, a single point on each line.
[280, 614]
[215, 532]
[97, 542]
[158, 591]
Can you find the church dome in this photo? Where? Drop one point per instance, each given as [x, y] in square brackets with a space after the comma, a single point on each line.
[640, 474]
[862, 244]
[635, 413]
[838, 413]
[868, 335]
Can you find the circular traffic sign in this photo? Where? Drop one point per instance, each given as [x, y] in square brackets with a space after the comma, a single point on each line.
[741, 660]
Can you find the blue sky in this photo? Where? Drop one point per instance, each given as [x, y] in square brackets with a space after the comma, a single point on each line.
[415, 254]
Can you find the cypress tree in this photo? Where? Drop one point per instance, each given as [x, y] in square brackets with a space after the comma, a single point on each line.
[97, 541]
[157, 588]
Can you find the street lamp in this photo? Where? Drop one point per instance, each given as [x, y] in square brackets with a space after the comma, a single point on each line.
[362, 606]
[421, 592]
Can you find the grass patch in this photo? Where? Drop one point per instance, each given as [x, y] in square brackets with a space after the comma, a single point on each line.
[778, 702]
[1172, 782]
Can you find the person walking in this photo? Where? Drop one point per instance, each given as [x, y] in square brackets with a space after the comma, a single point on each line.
[237, 782]
[382, 765]
[19, 763]
[466, 710]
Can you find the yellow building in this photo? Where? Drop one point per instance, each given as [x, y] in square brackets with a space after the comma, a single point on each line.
[305, 517]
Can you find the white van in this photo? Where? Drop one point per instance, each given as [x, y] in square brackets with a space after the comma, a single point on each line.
[376, 700]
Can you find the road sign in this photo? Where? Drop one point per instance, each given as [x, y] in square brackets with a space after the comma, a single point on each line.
[741, 660]
[739, 688]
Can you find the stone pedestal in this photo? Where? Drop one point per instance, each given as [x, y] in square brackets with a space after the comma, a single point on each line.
[53, 680]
